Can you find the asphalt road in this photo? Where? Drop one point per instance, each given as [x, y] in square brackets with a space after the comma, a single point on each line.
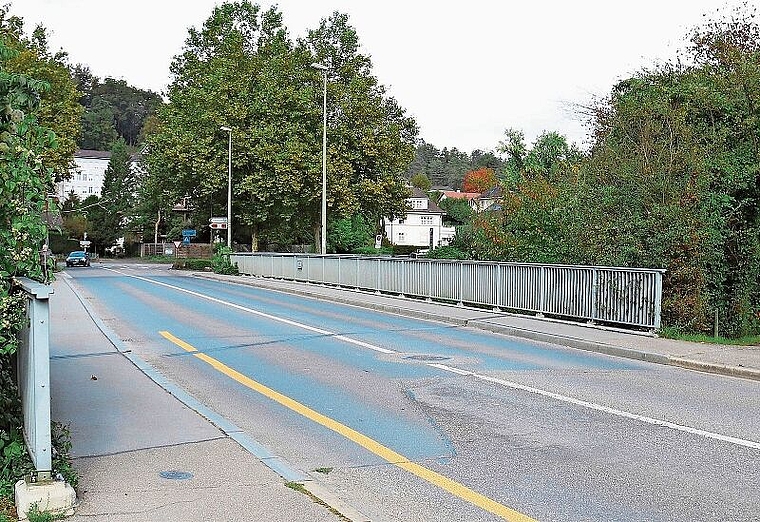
[416, 420]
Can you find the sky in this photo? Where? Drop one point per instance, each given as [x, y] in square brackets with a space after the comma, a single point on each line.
[465, 70]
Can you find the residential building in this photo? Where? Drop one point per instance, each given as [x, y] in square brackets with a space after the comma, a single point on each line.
[87, 178]
[473, 198]
[423, 225]
[490, 200]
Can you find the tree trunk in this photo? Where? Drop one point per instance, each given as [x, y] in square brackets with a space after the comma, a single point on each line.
[317, 238]
[255, 239]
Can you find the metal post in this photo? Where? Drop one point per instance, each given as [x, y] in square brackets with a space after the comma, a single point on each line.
[324, 165]
[229, 187]
[323, 242]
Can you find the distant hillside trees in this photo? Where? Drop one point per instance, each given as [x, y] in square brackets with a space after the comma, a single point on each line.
[113, 110]
[448, 167]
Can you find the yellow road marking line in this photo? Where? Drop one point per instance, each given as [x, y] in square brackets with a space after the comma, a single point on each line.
[367, 443]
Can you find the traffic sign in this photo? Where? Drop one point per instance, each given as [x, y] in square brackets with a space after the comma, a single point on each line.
[186, 240]
[218, 220]
[218, 226]
[188, 232]
[84, 243]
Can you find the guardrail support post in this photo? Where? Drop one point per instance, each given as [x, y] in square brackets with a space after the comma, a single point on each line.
[33, 367]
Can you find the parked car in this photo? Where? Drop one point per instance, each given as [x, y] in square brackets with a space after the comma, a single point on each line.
[78, 258]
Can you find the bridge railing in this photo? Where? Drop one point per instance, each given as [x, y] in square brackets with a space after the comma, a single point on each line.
[621, 296]
[33, 375]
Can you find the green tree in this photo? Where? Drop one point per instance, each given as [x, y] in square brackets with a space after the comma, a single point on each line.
[98, 129]
[242, 71]
[59, 107]
[458, 211]
[347, 235]
[25, 179]
[371, 137]
[421, 182]
[112, 212]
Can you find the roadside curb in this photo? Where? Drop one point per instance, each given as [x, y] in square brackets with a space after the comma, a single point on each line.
[722, 369]
[563, 340]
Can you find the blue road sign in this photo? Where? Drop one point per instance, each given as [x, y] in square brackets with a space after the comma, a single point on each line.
[188, 232]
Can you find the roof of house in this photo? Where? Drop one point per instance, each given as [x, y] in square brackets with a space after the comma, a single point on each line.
[493, 193]
[432, 207]
[455, 194]
[93, 154]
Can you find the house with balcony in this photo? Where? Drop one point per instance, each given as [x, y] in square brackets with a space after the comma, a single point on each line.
[423, 225]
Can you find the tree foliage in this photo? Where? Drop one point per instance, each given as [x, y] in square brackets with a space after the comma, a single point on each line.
[112, 109]
[242, 71]
[109, 215]
[26, 173]
[448, 167]
[672, 181]
[59, 107]
[479, 180]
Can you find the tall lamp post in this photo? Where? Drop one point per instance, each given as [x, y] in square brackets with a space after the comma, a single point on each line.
[229, 187]
[323, 245]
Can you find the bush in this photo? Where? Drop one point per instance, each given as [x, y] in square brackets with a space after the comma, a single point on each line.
[221, 263]
[446, 252]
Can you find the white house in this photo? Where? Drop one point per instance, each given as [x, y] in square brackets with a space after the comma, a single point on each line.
[423, 225]
[87, 179]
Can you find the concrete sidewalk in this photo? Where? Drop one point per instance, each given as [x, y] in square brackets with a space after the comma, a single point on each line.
[141, 453]
[738, 361]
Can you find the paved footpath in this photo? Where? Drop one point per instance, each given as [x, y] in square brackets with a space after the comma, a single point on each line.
[141, 453]
[145, 455]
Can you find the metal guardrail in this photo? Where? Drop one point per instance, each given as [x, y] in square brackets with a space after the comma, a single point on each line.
[33, 372]
[622, 296]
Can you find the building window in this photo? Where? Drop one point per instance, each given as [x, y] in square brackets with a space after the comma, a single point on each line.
[426, 220]
[400, 221]
[90, 189]
[401, 237]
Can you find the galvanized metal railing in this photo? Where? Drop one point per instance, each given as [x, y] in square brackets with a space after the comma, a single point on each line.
[622, 296]
[33, 373]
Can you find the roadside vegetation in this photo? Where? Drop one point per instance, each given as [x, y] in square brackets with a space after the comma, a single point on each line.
[671, 180]
[38, 120]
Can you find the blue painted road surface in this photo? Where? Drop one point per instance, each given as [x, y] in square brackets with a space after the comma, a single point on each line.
[497, 427]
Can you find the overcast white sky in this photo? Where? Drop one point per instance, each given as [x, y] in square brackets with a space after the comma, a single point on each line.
[465, 70]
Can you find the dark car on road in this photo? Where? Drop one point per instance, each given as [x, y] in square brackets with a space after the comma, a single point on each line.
[78, 258]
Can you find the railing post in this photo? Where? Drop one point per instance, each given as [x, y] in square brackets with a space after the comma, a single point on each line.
[542, 305]
[34, 376]
[460, 301]
[657, 300]
[594, 294]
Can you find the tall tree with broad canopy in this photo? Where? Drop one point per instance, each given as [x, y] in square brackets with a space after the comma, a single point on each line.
[242, 71]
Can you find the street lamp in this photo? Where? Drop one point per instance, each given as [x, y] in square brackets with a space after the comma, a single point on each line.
[229, 187]
[323, 245]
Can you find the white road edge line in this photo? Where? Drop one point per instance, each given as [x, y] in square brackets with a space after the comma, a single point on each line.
[451, 369]
[263, 314]
[599, 407]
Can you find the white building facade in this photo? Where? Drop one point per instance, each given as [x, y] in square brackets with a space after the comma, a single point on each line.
[423, 225]
[87, 179]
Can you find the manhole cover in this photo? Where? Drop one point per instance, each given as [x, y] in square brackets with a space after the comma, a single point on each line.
[176, 475]
[427, 357]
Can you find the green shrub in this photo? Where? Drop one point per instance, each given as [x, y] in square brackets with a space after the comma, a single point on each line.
[446, 252]
[14, 461]
[221, 263]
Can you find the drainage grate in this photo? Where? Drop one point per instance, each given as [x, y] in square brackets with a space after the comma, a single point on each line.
[424, 357]
[176, 475]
